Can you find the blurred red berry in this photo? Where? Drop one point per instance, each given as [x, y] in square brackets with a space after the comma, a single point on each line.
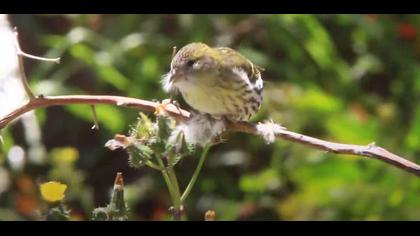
[158, 214]
[407, 31]
[26, 204]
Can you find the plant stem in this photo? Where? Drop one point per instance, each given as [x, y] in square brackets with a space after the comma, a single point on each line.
[153, 165]
[174, 181]
[173, 187]
[172, 176]
[166, 178]
[177, 211]
[169, 184]
[196, 172]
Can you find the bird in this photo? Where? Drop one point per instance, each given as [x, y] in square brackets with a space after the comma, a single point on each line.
[217, 81]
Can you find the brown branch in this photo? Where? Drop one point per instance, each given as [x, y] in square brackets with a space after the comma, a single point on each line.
[46, 101]
[23, 78]
[371, 150]
[20, 54]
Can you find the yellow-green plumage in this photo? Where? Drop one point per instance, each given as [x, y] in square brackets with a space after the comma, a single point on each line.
[216, 81]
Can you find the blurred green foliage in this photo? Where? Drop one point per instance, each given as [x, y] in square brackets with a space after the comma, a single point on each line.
[345, 78]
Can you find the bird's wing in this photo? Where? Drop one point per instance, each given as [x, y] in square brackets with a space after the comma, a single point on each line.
[232, 59]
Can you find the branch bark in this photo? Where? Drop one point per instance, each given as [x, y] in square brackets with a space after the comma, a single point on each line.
[46, 101]
[370, 151]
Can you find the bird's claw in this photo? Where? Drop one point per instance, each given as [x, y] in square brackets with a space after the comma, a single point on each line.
[162, 107]
[176, 104]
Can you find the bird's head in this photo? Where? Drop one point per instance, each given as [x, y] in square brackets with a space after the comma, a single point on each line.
[190, 62]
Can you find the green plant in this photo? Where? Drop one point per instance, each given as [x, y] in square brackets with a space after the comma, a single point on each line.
[160, 145]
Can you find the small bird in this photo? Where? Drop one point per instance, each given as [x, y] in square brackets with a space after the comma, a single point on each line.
[217, 81]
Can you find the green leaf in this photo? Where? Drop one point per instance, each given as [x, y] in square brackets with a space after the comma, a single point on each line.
[138, 154]
[100, 214]
[164, 127]
[108, 116]
[112, 76]
[58, 213]
[83, 52]
[412, 140]
[349, 128]
[150, 68]
[177, 148]
[6, 144]
[260, 182]
[144, 127]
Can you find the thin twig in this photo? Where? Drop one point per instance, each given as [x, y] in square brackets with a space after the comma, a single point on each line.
[95, 118]
[55, 60]
[23, 78]
[20, 54]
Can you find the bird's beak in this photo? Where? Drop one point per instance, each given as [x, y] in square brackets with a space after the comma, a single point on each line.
[175, 75]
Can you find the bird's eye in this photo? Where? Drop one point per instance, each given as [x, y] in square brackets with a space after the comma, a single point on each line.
[190, 63]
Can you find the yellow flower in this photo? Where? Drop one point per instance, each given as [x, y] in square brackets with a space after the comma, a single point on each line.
[53, 191]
